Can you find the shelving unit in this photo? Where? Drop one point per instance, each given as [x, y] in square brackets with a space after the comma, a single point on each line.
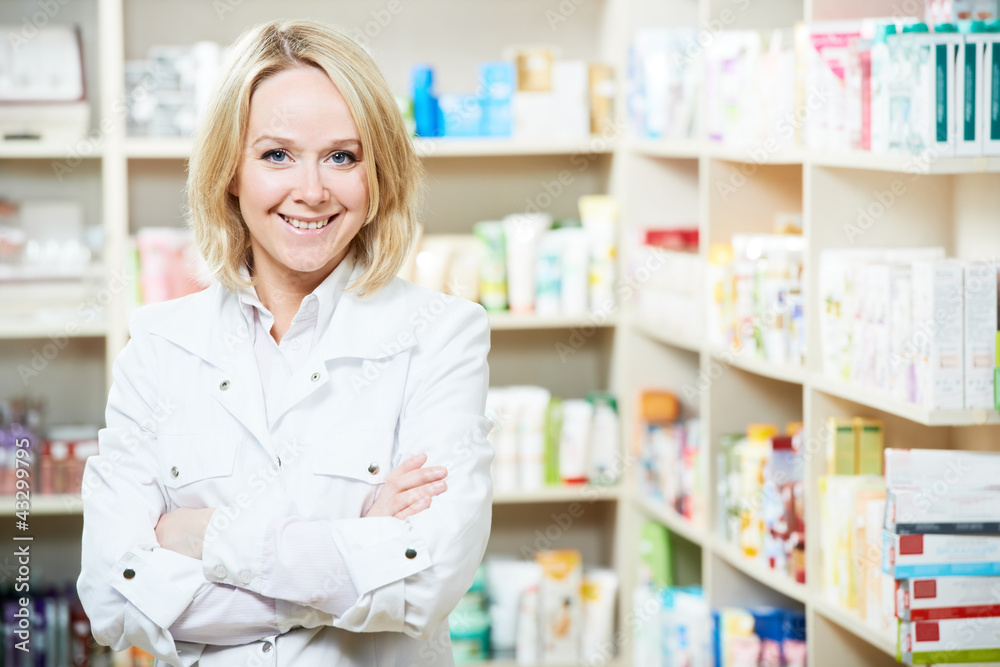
[129, 183]
[952, 202]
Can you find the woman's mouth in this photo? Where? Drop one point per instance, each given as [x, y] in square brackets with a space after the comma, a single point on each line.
[306, 224]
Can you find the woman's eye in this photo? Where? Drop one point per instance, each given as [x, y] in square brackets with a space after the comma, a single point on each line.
[342, 157]
[277, 156]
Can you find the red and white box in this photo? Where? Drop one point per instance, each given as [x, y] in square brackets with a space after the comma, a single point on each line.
[940, 598]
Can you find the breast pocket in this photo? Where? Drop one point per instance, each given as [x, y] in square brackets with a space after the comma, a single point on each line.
[351, 466]
[197, 468]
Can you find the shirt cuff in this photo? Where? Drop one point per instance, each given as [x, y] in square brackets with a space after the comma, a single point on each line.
[233, 548]
[379, 550]
[160, 583]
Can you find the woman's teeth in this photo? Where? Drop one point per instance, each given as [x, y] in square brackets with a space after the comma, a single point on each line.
[301, 224]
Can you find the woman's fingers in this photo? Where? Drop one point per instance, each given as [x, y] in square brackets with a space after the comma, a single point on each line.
[419, 497]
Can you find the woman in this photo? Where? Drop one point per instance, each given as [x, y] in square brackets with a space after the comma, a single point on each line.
[270, 487]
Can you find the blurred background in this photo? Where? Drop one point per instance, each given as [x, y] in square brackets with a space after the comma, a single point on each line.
[717, 240]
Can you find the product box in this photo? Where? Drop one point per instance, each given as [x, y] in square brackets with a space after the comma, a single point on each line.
[868, 446]
[969, 93]
[955, 640]
[839, 496]
[840, 447]
[908, 556]
[560, 605]
[902, 382]
[937, 337]
[980, 334]
[991, 97]
[938, 92]
[957, 511]
[928, 468]
[940, 598]
[868, 517]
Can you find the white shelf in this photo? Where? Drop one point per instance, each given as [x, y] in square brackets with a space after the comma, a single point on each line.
[762, 367]
[53, 505]
[558, 494]
[14, 149]
[170, 148]
[667, 338]
[852, 623]
[886, 403]
[757, 569]
[509, 322]
[913, 164]
[670, 518]
[23, 329]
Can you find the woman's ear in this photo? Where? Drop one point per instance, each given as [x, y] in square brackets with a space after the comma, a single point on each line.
[233, 189]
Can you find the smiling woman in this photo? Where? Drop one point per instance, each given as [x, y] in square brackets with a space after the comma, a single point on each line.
[291, 508]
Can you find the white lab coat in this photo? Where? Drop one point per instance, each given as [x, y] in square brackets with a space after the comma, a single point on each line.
[397, 373]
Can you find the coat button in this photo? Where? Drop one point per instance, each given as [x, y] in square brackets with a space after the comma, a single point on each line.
[224, 385]
[266, 648]
[220, 572]
[246, 577]
[315, 377]
[174, 472]
[411, 554]
[373, 468]
[129, 573]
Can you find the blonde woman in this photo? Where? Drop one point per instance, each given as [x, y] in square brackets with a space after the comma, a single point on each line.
[271, 483]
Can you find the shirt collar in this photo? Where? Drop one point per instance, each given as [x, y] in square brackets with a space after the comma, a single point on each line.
[325, 296]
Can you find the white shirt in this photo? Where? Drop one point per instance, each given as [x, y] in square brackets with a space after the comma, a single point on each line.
[396, 373]
[229, 615]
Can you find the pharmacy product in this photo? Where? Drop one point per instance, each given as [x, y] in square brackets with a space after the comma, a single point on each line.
[507, 580]
[939, 598]
[605, 451]
[574, 447]
[941, 469]
[548, 274]
[574, 289]
[907, 556]
[991, 93]
[599, 215]
[937, 316]
[493, 273]
[600, 588]
[980, 334]
[560, 606]
[534, 404]
[943, 509]
[955, 640]
[522, 233]
[498, 81]
[969, 90]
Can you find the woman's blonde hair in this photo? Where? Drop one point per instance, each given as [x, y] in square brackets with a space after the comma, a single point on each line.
[393, 168]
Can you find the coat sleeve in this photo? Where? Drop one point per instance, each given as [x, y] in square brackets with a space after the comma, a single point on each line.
[388, 574]
[132, 589]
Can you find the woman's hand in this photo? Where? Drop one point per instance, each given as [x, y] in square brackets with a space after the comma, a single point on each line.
[183, 530]
[409, 488]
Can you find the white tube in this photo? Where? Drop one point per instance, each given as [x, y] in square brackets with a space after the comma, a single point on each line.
[523, 232]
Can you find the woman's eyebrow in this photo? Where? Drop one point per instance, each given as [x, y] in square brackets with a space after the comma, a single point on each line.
[283, 141]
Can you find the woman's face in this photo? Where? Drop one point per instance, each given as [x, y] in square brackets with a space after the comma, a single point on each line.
[301, 183]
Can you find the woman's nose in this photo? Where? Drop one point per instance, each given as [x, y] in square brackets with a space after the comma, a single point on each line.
[310, 189]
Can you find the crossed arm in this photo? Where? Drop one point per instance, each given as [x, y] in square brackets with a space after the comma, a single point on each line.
[227, 615]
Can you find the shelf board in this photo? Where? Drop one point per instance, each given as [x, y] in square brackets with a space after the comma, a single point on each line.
[27, 149]
[667, 338]
[757, 366]
[684, 149]
[52, 505]
[670, 518]
[26, 329]
[852, 623]
[440, 147]
[886, 403]
[912, 164]
[159, 148]
[759, 570]
[508, 321]
[558, 494]
[177, 148]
